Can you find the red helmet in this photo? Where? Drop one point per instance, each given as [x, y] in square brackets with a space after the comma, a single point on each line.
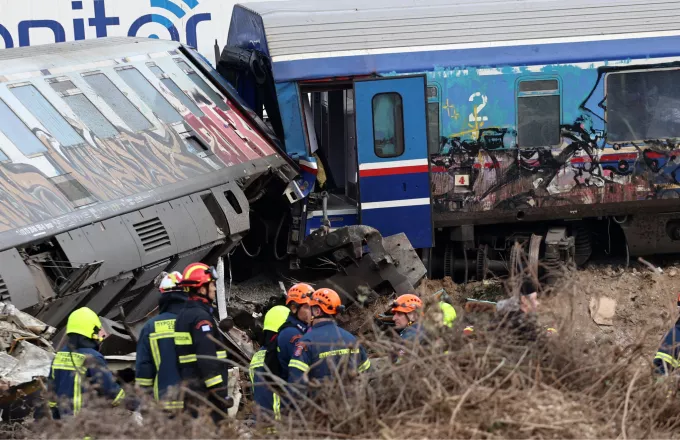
[198, 274]
[328, 300]
[300, 293]
[406, 303]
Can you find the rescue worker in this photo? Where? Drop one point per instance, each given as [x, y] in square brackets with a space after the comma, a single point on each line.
[80, 365]
[156, 365]
[323, 348]
[518, 316]
[195, 335]
[448, 313]
[264, 366]
[296, 325]
[405, 309]
[667, 357]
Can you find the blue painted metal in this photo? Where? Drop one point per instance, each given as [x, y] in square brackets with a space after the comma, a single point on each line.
[540, 54]
[295, 136]
[410, 220]
[395, 187]
[246, 31]
[414, 221]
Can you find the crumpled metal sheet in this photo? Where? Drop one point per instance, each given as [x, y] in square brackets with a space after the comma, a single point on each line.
[25, 350]
[26, 322]
[32, 362]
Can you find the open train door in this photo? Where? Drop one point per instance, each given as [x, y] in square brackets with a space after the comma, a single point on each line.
[394, 168]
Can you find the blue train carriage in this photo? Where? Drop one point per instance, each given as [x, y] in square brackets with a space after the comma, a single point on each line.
[474, 125]
[121, 158]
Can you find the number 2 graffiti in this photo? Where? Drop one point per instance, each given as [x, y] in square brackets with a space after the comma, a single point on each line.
[477, 109]
[476, 121]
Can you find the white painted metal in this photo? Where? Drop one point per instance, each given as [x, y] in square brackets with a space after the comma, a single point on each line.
[300, 29]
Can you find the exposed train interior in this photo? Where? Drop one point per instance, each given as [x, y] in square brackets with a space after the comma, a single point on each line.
[330, 125]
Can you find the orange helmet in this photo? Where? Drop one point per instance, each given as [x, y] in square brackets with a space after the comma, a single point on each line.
[197, 274]
[328, 300]
[300, 293]
[406, 303]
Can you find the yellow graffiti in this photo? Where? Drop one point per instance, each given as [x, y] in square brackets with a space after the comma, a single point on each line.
[474, 126]
[448, 107]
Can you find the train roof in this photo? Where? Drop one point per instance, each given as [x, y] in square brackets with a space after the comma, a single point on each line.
[50, 56]
[298, 30]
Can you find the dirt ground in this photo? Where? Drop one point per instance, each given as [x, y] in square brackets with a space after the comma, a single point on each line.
[645, 302]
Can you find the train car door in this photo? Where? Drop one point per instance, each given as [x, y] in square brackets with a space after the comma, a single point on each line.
[394, 178]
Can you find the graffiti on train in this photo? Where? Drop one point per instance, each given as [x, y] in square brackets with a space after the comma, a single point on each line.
[511, 139]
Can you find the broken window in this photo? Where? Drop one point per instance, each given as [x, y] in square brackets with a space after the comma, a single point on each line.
[643, 105]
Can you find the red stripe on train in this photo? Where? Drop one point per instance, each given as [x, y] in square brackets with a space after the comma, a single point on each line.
[395, 170]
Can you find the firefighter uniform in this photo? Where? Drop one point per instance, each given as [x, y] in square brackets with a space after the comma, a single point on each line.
[289, 334]
[156, 365]
[667, 358]
[80, 366]
[265, 367]
[193, 328]
[322, 349]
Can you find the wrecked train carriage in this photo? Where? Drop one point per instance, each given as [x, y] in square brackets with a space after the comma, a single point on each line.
[121, 158]
[470, 136]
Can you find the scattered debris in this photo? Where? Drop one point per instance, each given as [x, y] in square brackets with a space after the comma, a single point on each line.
[650, 266]
[25, 358]
[25, 350]
[602, 310]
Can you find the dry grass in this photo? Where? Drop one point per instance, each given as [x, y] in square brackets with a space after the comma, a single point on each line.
[491, 386]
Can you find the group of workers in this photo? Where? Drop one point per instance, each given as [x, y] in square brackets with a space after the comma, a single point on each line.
[179, 345]
[182, 345]
[302, 343]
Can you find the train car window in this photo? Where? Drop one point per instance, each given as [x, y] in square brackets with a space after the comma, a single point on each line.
[118, 102]
[18, 133]
[48, 116]
[643, 105]
[201, 84]
[150, 95]
[433, 133]
[175, 90]
[538, 113]
[85, 110]
[388, 125]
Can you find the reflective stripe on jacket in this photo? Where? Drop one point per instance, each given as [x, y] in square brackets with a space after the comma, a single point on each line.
[322, 349]
[156, 364]
[73, 372]
[263, 393]
[195, 335]
[289, 334]
[667, 358]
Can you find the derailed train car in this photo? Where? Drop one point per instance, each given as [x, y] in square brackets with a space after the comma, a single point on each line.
[472, 126]
[120, 158]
